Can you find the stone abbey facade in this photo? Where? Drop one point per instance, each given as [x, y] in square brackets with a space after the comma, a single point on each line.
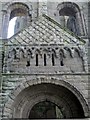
[45, 65]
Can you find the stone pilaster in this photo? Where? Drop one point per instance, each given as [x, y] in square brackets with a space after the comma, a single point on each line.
[89, 54]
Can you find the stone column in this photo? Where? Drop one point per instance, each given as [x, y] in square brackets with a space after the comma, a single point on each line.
[1, 14]
[79, 23]
[5, 24]
[89, 57]
[84, 22]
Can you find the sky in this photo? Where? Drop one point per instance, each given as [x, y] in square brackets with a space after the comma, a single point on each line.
[11, 27]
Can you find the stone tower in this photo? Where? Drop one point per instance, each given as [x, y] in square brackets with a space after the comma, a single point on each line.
[44, 65]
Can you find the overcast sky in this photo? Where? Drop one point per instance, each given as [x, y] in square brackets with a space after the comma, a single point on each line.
[11, 27]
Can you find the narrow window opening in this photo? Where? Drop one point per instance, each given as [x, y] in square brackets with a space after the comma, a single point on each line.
[14, 53]
[53, 62]
[36, 59]
[61, 63]
[15, 57]
[28, 57]
[28, 63]
[44, 59]
[61, 59]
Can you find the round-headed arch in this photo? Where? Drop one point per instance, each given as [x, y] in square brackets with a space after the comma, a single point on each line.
[72, 9]
[39, 81]
[18, 9]
[71, 5]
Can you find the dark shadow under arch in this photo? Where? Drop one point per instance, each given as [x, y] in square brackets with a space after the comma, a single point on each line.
[46, 109]
[60, 93]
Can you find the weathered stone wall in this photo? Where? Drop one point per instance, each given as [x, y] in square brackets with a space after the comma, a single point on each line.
[58, 59]
[14, 84]
[17, 76]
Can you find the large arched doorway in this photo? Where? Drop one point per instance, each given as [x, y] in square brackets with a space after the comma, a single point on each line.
[47, 101]
[46, 109]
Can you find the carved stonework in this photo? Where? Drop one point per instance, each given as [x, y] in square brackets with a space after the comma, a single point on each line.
[23, 57]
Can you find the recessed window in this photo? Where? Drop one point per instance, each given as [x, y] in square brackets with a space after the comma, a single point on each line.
[70, 17]
[61, 59]
[14, 53]
[17, 18]
[45, 60]
[53, 61]
[28, 63]
[61, 63]
[36, 59]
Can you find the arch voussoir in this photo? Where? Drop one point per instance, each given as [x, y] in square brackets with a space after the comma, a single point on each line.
[45, 80]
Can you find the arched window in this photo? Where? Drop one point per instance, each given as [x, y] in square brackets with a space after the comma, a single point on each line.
[16, 16]
[19, 14]
[70, 17]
